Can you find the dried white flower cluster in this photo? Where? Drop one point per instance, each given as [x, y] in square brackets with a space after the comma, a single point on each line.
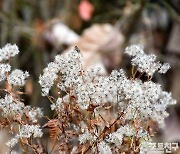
[33, 113]
[4, 69]
[117, 137]
[26, 131]
[145, 63]
[10, 105]
[12, 109]
[12, 142]
[30, 130]
[86, 136]
[137, 99]
[18, 77]
[87, 93]
[70, 68]
[8, 51]
[104, 148]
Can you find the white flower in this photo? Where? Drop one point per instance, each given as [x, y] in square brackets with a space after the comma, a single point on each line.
[141, 99]
[133, 50]
[69, 68]
[164, 68]
[104, 148]
[145, 63]
[30, 130]
[86, 136]
[8, 106]
[116, 138]
[18, 77]
[4, 68]
[12, 142]
[33, 113]
[46, 81]
[8, 51]
[127, 130]
[58, 106]
[147, 100]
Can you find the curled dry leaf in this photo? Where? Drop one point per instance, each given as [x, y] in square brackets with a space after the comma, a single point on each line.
[3, 123]
[55, 128]
[38, 149]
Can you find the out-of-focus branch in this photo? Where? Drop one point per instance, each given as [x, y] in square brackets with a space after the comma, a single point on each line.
[131, 16]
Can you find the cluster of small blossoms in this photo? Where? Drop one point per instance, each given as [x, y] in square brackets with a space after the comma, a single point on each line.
[58, 105]
[13, 111]
[10, 104]
[17, 77]
[125, 132]
[146, 99]
[145, 63]
[30, 130]
[26, 131]
[8, 51]
[117, 136]
[11, 107]
[68, 65]
[33, 113]
[4, 68]
[104, 148]
[88, 90]
[86, 136]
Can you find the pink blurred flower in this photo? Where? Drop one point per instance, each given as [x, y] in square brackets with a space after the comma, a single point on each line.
[85, 10]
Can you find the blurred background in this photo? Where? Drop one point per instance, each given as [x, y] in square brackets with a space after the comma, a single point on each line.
[101, 29]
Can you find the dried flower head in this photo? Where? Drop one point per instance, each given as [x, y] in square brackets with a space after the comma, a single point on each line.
[89, 92]
[18, 77]
[8, 51]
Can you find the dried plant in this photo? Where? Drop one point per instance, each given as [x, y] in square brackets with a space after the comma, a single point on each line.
[94, 113]
[106, 114]
[21, 120]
